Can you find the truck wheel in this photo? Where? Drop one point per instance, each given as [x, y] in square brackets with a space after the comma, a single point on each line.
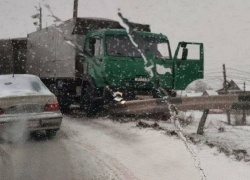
[53, 89]
[64, 104]
[156, 93]
[172, 93]
[87, 101]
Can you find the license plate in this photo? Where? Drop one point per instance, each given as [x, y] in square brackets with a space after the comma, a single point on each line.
[34, 123]
[142, 79]
[50, 121]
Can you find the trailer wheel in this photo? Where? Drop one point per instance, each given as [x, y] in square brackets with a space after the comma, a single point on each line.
[88, 103]
[64, 103]
[53, 89]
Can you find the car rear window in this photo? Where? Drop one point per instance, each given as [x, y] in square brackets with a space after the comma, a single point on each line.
[20, 85]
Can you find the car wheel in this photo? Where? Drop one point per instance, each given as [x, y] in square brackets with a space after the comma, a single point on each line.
[51, 133]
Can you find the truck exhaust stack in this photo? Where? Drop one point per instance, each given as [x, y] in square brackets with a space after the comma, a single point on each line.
[75, 10]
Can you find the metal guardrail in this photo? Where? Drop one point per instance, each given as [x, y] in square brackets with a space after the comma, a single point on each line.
[159, 105]
[205, 103]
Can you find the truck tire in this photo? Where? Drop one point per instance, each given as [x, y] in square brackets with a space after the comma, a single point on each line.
[87, 101]
[63, 103]
[172, 93]
[53, 89]
[157, 94]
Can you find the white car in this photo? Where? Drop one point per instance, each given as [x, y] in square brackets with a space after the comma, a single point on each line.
[27, 105]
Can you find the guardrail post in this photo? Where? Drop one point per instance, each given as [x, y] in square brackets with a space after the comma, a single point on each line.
[228, 117]
[244, 121]
[202, 122]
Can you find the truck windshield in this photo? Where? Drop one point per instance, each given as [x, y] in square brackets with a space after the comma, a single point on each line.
[122, 46]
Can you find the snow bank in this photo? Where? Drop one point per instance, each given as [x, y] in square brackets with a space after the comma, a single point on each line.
[231, 140]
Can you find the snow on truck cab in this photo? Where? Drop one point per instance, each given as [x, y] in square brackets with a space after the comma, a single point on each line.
[89, 60]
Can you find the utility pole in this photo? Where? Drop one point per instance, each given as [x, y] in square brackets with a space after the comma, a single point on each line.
[225, 88]
[75, 10]
[40, 17]
[12, 57]
[225, 78]
[244, 112]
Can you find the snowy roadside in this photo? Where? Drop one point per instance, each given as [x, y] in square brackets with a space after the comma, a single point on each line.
[144, 153]
[128, 152]
[233, 141]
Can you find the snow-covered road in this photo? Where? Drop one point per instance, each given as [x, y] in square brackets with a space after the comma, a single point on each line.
[102, 149]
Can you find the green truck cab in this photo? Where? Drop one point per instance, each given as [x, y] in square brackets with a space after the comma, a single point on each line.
[115, 63]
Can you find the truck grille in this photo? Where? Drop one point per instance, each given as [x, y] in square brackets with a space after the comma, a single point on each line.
[136, 84]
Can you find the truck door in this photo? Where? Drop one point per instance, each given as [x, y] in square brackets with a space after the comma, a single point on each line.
[93, 63]
[94, 48]
[188, 64]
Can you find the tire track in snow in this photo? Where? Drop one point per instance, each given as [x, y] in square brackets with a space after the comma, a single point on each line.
[119, 171]
[5, 165]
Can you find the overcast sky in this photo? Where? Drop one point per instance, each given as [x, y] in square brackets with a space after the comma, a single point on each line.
[222, 25]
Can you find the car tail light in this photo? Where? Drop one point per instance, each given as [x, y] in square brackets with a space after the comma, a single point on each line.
[1, 111]
[51, 106]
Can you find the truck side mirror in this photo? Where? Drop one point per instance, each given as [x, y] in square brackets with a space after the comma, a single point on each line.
[81, 57]
[88, 53]
[184, 53]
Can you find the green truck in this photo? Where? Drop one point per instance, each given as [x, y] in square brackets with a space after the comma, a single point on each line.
[93, 61]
